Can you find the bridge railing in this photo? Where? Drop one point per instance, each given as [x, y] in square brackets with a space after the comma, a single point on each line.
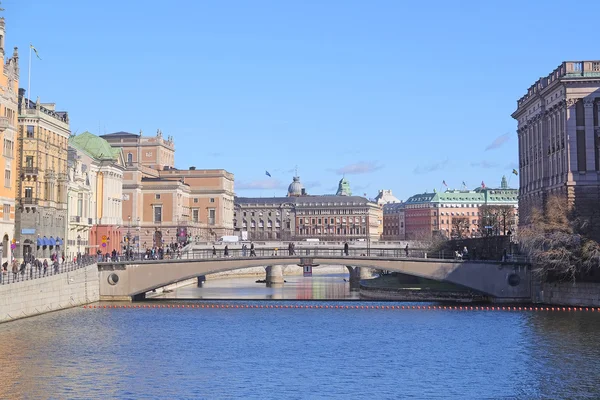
[31, 271]
[195, 254]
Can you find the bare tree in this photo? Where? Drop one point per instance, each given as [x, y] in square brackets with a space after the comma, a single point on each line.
[554, 242]
[460, 227]
[496, 219]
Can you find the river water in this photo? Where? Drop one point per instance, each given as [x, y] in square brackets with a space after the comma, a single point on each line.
[274, 353]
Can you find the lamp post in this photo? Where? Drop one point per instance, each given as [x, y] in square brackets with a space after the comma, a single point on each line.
[78, 244]
[137, 242]
[128, 237]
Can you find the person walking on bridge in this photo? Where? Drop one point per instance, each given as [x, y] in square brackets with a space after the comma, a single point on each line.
[346, 248]
[406, 249]
[252, 252]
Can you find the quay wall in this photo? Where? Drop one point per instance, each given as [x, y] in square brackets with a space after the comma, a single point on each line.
[568, 294]
[52, 293]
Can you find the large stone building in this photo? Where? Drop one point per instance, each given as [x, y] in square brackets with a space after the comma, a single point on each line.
[301, 216]
[41, 218]
[9, 86]
[163, 204]
[558, 128]
[386, 197]
[461, 213]
[95, 196]
[393, 221]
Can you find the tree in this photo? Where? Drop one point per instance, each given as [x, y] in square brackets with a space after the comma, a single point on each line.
[496, 219]
[460, 227]
[554, 242]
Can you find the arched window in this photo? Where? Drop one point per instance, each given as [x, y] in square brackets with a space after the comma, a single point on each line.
[130, 159]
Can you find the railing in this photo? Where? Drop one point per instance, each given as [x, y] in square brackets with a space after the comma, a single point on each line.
[75, 218]
[274, 252]
[29, 200]
[3, 123]
[29, 271]
[30, 170]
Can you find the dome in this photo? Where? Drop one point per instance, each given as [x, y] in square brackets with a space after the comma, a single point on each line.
[295, 188]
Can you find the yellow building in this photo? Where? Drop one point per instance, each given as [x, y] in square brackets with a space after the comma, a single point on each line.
[9, 85]
[41, 218]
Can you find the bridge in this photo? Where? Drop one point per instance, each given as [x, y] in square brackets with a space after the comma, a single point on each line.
[130, 280]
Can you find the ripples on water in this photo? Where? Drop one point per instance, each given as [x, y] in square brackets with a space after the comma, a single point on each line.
[301, 353]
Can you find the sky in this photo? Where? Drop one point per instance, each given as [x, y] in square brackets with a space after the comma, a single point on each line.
[390, 94]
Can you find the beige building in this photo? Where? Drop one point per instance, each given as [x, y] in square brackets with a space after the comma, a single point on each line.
[9, 86]
[41, 218]
[95, 196]
[558, 128]
[169, 205]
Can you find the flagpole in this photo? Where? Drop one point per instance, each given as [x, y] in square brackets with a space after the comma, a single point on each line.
[29, 77]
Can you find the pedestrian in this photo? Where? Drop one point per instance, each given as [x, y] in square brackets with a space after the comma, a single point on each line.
[290, 249]
[226, 251]
[346, 248]
[244, 249]
[214, 252]
[252, 252]
[406, 250]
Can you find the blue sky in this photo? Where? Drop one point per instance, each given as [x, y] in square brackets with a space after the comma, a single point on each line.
[396, 95]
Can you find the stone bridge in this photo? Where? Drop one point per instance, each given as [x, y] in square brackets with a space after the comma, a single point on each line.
[501, 281]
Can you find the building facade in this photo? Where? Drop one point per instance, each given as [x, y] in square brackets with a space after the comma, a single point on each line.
[386, 197]
[95, 196]
[462, 213]
[301, 216]
[9, 88]
[393, 221]
[193, 203]
[41, 218]
[558, 128]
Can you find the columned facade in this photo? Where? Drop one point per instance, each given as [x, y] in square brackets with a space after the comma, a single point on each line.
[558, 133]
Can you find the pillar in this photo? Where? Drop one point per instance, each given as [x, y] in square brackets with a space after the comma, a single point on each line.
[201, 280]
[571, 137]
[354, 276]
[365, 273]
[274, 274]
[590, 147]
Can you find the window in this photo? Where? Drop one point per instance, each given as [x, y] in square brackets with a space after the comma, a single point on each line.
[212, 199]
[30, 129]
[6, 212]
[195, 215]
[212, 213]
[29, 161]
[130, 159]
[7, 178]
[195, 200]
[80, 204]
[29, 192]
[157, 196]
[157, 213]
[8, 148]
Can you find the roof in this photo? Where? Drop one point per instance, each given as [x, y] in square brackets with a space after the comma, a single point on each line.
[391, 208]
[94, 146]
[304, 200]
[120, 134]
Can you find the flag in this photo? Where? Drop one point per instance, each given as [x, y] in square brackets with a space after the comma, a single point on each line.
[267, 174]
[364, 194]
[35, 51]
[482, 184]
[515, 172]
[445, 184]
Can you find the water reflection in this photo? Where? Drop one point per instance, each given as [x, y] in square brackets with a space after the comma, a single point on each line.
[320, 287]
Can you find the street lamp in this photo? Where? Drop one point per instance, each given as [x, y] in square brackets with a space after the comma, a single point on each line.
[128, 237]
[78, 244]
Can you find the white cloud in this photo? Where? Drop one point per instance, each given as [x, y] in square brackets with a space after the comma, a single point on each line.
[498, 142]
[363, 167]
[259, 184]
[436, 166]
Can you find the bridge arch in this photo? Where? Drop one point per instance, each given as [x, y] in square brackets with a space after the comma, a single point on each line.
[491, 278]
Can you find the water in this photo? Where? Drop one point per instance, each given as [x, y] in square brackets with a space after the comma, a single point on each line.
[320, 287]
[216, 353]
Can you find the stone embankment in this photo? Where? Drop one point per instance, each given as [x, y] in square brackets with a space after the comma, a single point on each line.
[51, 293]
[585, 294]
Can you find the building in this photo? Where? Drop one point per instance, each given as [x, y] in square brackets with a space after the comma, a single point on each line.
[41, 218]
[344, 188]
[393, 221]
[558, 123]
[301, 216]
[166, 204]
[9, 85]
[386, 197]
[461, 213]
[95, 196]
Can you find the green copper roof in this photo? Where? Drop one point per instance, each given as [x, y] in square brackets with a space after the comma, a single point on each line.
[94, 146]
[344, 188]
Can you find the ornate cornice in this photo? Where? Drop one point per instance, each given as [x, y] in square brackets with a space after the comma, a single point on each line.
[588, 103]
